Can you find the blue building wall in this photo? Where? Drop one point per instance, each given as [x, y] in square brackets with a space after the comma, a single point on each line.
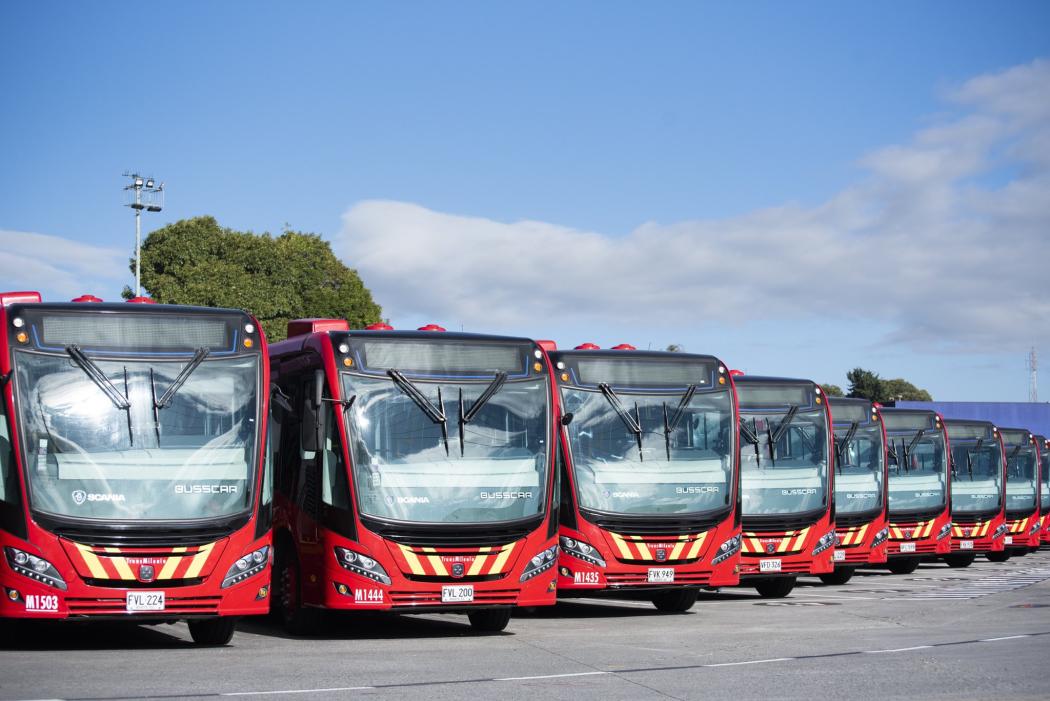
[1033, 416]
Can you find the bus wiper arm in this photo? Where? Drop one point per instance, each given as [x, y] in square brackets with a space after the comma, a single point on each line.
[632, 423]
[466, 417]
[165, 401]
[98, 377]
[783, 425]
[672, 424]
[435, 414]
[918, 437]
[751, 436]
[842, 444]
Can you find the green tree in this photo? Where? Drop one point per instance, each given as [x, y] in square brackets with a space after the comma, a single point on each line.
[904, 390]
[291, 276]
[866, 384]
[832, 390]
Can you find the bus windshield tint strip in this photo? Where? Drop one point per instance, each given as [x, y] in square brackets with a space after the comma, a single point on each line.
[138, 331]
[643, 373]
[437, 358]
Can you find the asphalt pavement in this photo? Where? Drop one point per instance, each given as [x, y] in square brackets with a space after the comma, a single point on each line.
[976, 633]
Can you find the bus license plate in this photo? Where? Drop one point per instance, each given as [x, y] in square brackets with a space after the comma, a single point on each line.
[907, 547]
[661, 575]
[769, 565]
[840, 556]
[145, 601]
[965, 545]
[457, 593]
[1009, 540]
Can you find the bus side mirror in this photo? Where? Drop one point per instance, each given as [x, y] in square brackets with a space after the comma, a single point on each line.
[280, 399]
[566, 418]
[318, 389]
[313, 426]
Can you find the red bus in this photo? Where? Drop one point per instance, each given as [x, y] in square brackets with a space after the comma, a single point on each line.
[134, 474]
[978, 492]
[787, 483]
[413, 474]
[1022, 490]
[649, 474]
[1044, 488]
[861, 477]
[920, 480]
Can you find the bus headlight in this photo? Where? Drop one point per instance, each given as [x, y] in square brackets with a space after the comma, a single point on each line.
[251, 564]
[540, 563]
[826, 541]
[1034, 528]
[945, 531]
[34, 567]
[880, 537]
[362, 565]
[1000, 531]
[727, 549]
[581, 550]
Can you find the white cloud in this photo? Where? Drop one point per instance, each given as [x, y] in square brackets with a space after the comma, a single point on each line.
[59, 267]
[934, 242]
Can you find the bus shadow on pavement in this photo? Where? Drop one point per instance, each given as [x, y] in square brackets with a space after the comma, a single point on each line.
[95, 635]
[373, 626]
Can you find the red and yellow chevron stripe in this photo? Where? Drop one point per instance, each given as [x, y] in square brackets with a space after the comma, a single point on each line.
[786, 544]
[975, 530]
[122, 564]
[438, 563]
[1019, 526]
[636, 547]
[854, 535]
[920, 530]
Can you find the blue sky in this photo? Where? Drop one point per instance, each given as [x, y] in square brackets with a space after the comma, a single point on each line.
[572, 141]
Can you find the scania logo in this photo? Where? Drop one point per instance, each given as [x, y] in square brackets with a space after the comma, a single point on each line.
[661, 554]
[79, 496]
[457, 569]
[907, 534]
[771, 548]
[970, 531]
[146, 573]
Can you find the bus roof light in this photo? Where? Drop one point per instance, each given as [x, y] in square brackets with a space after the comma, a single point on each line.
[624, 346]
[142, 300]
[736, 373]
[379, 326]
[587, 346]
[431, 327]
[301, 327]
[7, 298]
[86, 298]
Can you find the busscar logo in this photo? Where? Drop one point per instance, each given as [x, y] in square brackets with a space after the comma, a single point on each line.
[506, 495]
[696, 490]
[798, 492]
[80, 496]
[205, 488]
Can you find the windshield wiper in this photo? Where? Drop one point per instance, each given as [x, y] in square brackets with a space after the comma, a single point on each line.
[841, 445]
[633, 423]
[750, 435]
[98, 377]
[465, 418]
[165, 401]
[435, 414]
[670, 426]
[969, 456]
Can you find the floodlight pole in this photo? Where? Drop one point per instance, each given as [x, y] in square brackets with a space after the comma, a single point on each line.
[140, 184]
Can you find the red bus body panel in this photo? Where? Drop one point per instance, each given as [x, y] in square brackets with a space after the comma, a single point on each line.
[982, 534]
[1024, 531]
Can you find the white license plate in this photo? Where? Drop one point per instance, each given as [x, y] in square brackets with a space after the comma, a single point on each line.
[907, 547]
[965, 545]
[840, 556]
[661, 575]
[1009, 540]
[145, 601]
[457, 593]
[769, 565]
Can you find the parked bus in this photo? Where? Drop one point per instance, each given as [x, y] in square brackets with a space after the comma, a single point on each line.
[134, 481]
[978, 492]
[414, 474]
[920, 483]
[649, 474]
[787, 483]
[1044, 488]
[1022, 490]
[860, 487]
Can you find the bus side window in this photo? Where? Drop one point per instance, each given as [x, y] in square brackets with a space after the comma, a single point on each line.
[9, 477]
[335, 489]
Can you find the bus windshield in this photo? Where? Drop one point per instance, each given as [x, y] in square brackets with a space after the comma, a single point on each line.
[138, 441]
[977, 476]
[918, 467]
[1021, 478]
[784, 461]
[858, 477]
[449, 452]
[636, 453]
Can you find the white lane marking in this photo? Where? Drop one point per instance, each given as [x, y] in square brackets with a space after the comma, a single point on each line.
[899, 649]
[549, 676]
[734, 664]
[295, 691]
[1008, 637]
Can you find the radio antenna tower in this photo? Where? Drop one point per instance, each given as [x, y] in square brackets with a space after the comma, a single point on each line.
[1033, 376]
